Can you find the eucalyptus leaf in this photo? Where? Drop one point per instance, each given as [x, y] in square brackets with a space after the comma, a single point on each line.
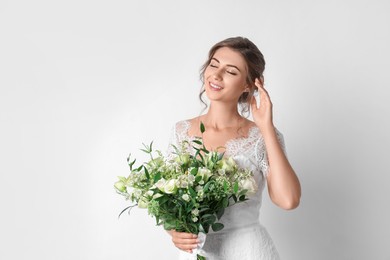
[217, 227]
[241, 198]
[202, 128]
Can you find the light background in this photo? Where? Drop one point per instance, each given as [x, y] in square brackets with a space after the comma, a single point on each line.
[83, 83]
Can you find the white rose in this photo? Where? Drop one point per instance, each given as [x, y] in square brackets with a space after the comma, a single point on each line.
[227, 165]
[170, 187]
[160, 184]
[186, 197]
[248, 184]
[204, 173]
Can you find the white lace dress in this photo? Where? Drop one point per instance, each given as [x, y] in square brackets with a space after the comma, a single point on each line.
[243, 237]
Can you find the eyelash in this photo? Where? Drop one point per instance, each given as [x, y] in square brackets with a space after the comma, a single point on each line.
[231, 73]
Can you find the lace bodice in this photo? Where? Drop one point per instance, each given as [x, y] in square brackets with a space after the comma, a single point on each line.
[242, 219]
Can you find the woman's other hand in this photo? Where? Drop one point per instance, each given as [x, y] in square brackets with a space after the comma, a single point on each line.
[262, 115]
[184, 241]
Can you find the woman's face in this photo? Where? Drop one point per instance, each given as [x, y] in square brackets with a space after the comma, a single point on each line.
[225, 76]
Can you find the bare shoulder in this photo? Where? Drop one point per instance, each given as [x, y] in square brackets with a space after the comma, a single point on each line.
[194, 129]
[247, 125]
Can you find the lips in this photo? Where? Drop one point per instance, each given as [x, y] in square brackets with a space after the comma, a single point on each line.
[215, 87]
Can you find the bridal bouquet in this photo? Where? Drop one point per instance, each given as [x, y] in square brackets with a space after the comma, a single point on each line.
[186, 192]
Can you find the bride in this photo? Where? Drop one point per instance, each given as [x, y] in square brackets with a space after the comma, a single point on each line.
[232, 75]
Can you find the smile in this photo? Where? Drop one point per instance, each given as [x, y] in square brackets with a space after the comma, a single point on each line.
[215, 87]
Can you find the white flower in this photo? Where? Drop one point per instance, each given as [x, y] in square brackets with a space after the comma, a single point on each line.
[183, 158]
[198, 188]
[227, 165]
[200, 195]
[183, 184]
[186, 197]
[195, 212]
[191, 179]
[194, 219]
[204, 173]
[143, 203]
[157, 195]
[137, 193]
[170, 187]
[248, 184]
[160, 184]
[120, 186]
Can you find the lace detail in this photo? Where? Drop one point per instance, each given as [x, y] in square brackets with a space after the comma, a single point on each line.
[252, 146]
[243, 236]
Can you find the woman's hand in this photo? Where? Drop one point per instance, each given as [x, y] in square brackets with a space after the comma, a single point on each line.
[262, 115]
[184, 241]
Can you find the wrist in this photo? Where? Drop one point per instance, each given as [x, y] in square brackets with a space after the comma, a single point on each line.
[267, 129]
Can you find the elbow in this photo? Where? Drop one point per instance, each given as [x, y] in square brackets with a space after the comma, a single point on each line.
[289, 203]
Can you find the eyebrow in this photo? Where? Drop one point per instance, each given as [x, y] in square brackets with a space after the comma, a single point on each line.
[229, 65]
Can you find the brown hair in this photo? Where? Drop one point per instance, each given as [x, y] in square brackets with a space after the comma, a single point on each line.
[255, 66]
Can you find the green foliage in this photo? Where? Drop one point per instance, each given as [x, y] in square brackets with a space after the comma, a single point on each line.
[185, 191]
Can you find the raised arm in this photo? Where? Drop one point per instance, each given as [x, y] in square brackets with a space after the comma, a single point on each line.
[283, 184]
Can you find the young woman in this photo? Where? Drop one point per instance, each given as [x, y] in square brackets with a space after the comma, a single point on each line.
[232, 75]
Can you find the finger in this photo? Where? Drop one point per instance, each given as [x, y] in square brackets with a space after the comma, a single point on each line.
[253, 104]
[186, 246]
[184, 235]
[185, 241]
[264, 96]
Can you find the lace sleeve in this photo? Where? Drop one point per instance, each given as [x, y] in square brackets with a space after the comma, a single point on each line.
[261, 152]
[178, 134]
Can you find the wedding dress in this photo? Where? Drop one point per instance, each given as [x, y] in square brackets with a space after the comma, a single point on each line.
[243, 237]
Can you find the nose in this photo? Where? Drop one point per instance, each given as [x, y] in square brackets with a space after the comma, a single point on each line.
[217, 75]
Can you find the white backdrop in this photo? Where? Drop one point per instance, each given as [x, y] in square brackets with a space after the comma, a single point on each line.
[83, 83]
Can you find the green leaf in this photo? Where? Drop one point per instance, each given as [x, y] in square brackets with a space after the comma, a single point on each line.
[225, 186]
[220, 212]
[157, 177]
[146, 173]
[225, 202]
[197, 142]
[203, 209]
[168, 225]
[242, 198]
[192, 192]
[202, 128]
[194, 171]
[205, 150]
[235, 187]
[206, 187]
[162, 200]
[198, 178]
[217, 226]
[208, 218]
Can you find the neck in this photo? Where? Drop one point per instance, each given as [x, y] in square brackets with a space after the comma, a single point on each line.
[221, 115]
